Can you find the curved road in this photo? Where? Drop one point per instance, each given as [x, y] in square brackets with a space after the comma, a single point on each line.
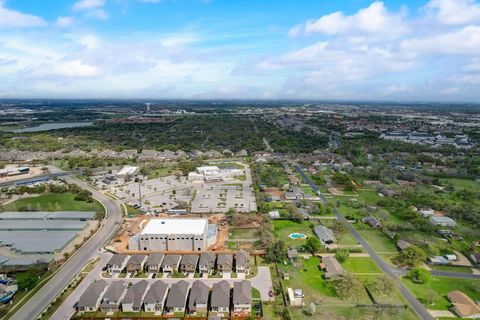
[35, 305]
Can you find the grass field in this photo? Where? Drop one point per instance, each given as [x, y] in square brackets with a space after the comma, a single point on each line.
[368, 196]
[53, 202]
[361, 265]
[283, 228]
[460, 184]
[378, 241]
[250, 233]
[443, 285]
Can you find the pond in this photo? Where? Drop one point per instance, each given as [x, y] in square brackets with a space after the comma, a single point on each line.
[53, 126]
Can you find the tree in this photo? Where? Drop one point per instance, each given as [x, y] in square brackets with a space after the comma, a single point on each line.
[347, 286]
[230, 213]
[276, 252]
[339, 229]
[342, 255]
[411, 256]
[431, 296]
[420, 275]
[383, 284]
[286, 314]
[312, 244]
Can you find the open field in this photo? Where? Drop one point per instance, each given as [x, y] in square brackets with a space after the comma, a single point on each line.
[442, 286]
[53, 202]
[378, 241]
[361, 265]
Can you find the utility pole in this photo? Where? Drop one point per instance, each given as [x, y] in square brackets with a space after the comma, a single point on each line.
[139, 194]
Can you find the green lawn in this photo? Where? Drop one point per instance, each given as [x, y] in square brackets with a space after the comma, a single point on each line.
[283, 228]
[160, 172]
[369, 196]
[247, 233]
[378, 241]
[460, 184]
[443, 285]
[361, 265]
[53, 202]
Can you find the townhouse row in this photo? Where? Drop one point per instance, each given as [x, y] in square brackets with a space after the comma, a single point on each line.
[205, 263]
[178, 298]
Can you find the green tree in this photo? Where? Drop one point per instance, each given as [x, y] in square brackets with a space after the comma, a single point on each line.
[339, 229]
[312, 244]
[383, 284]
[347, 286]
[420, 275]
[431, 296]
[411, 256]
[276, 252]
[342, 255]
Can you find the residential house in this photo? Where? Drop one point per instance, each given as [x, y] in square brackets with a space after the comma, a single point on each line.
[463, 305]
[372, 221]
[242, 262]
[427, 213]
[225, 263]
[220, 300]
[438, 260]
[292, 253]
[324, 234]
[154, 300]
[117, 263]
[177, 298]
[133, 299]
[294, 194]
[402, 244]
[442, 221]
[475, 257]
[242, 298]
[113, 296]
[274, 214]
[171, 262]
[154, 262]
[331, 267]
[136, 262]
[90, 300]
[206, 264]
[198, 299]
[188, 264]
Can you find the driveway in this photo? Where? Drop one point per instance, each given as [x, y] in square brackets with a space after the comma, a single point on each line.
[263, 282]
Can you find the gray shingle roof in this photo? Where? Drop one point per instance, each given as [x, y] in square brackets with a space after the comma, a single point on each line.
[90, 297]
[156, 292]
[242, 258]
[324, 234]
[177, 295]
[171, 260]
[189, 259]
[225, 259]
[208, 259]
[220, 294]
[136, 259]
[242, 292]
[117, 259]
[135, 294]
[198, 294]
[154, 259]
[332, 266]
[114, 292]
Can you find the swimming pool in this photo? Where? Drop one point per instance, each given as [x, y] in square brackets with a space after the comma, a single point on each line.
[297, 236]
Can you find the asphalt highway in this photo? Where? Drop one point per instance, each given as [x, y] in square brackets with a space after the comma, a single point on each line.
[34, 307]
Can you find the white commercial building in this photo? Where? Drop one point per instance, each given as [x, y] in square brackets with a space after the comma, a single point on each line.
[127, 171]
[172, 235]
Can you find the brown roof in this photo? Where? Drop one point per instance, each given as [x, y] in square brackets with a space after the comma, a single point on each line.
[332, 267]
[463, 304]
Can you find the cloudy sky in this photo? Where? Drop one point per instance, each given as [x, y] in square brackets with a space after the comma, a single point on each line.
[269, 49]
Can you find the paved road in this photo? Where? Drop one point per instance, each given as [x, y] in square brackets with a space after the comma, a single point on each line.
[416, 305]
[73, 266]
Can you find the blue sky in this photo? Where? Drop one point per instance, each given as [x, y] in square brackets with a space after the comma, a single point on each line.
[315, 49]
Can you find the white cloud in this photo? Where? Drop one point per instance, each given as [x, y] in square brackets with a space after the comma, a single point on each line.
[63, 22]
[14, 19]
[375, 19]
[88, 4]
[454, 12]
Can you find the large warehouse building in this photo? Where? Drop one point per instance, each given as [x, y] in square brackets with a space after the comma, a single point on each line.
[172, 235]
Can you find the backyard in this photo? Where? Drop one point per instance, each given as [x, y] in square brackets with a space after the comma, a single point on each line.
[283, 228]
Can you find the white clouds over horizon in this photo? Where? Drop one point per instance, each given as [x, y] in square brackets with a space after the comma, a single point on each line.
[375, 52]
